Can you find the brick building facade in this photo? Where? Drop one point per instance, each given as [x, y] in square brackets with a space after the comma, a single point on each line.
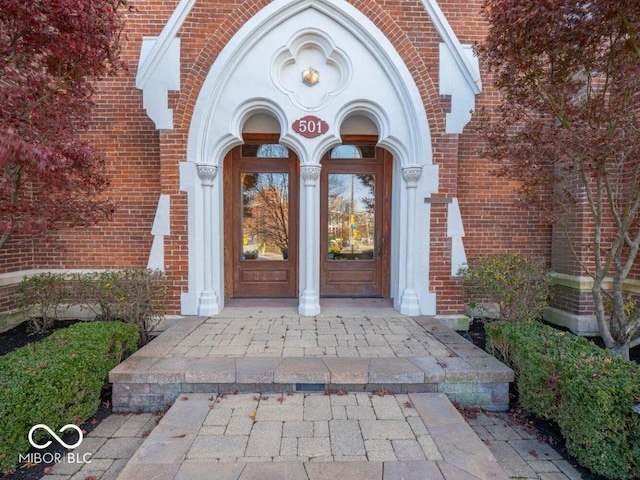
[206, 77]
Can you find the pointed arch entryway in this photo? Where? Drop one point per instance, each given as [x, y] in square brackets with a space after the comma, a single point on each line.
[260, 73]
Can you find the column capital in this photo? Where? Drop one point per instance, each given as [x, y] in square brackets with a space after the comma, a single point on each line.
[411, 175]
[207, 173]
[310, 174]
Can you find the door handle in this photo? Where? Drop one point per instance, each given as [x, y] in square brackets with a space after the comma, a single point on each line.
[378, 245]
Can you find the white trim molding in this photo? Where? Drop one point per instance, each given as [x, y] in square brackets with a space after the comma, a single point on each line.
[160, 229]
[462, 55]
[585, 284]
[459, 70]
[455, 231]
[159, 67]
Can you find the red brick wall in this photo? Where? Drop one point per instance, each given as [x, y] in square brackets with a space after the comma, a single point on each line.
[123, 131]
[144, 162]
[493, 221]
[17, 254]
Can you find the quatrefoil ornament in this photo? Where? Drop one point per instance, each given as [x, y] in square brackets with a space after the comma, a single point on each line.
[296, 68]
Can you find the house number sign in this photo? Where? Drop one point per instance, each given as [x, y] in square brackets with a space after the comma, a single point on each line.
[310, 126]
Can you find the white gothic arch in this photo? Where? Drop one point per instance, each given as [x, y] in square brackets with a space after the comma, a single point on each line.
[256, 73]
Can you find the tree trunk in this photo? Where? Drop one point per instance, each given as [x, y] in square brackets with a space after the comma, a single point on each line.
[622, 350]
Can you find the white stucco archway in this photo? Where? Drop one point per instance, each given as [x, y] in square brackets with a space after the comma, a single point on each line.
[361, 73]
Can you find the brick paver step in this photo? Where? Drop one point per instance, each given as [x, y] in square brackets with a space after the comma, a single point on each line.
[226, 354]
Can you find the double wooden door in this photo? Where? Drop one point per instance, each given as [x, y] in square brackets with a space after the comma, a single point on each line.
[262, 217]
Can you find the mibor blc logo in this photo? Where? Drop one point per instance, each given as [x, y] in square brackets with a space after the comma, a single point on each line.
[47, 457]
[53, 434]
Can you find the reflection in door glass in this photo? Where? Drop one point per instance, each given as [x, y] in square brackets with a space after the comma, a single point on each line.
[351, 217]
[266, 150]
[265, 216]
[347, 151]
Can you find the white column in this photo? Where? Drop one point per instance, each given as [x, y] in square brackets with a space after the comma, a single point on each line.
[208, 303]
[410, 304]
[310, 299]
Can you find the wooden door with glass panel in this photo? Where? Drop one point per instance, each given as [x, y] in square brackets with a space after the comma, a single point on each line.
[355, 205]
[263, 218]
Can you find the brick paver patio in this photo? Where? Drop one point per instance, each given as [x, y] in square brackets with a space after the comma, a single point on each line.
[240, 387]
[357, 436]
[277, 350]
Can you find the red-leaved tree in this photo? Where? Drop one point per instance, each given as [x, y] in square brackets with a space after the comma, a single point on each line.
[51, 54]
[568, 129]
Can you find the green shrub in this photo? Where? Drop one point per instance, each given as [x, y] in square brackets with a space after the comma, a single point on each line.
[133, 296]
[57, 380]
[588, 391]
[517, 285]
[42, 298]
[601, 431]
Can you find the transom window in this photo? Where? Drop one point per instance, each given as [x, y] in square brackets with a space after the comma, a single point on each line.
[265, 150]
[353, 151]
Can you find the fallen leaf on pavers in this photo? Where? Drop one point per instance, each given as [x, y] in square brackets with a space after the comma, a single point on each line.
[253, 414]
[92, 477]
[341, 393]
[533, 453]
[407, 405]
[47, 470]
[179, 435]
[184, 399]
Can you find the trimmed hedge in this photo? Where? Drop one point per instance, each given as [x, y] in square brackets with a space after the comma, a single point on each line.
[588, 391]
[57, 380]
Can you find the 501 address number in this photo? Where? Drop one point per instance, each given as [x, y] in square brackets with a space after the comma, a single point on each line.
[310, 126]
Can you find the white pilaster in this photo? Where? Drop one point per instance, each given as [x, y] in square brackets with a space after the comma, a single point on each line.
[410, 303]
[208, 303]
[310, 299]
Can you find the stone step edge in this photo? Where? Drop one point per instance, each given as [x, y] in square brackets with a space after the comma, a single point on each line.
[146, 397]
[329, 370]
